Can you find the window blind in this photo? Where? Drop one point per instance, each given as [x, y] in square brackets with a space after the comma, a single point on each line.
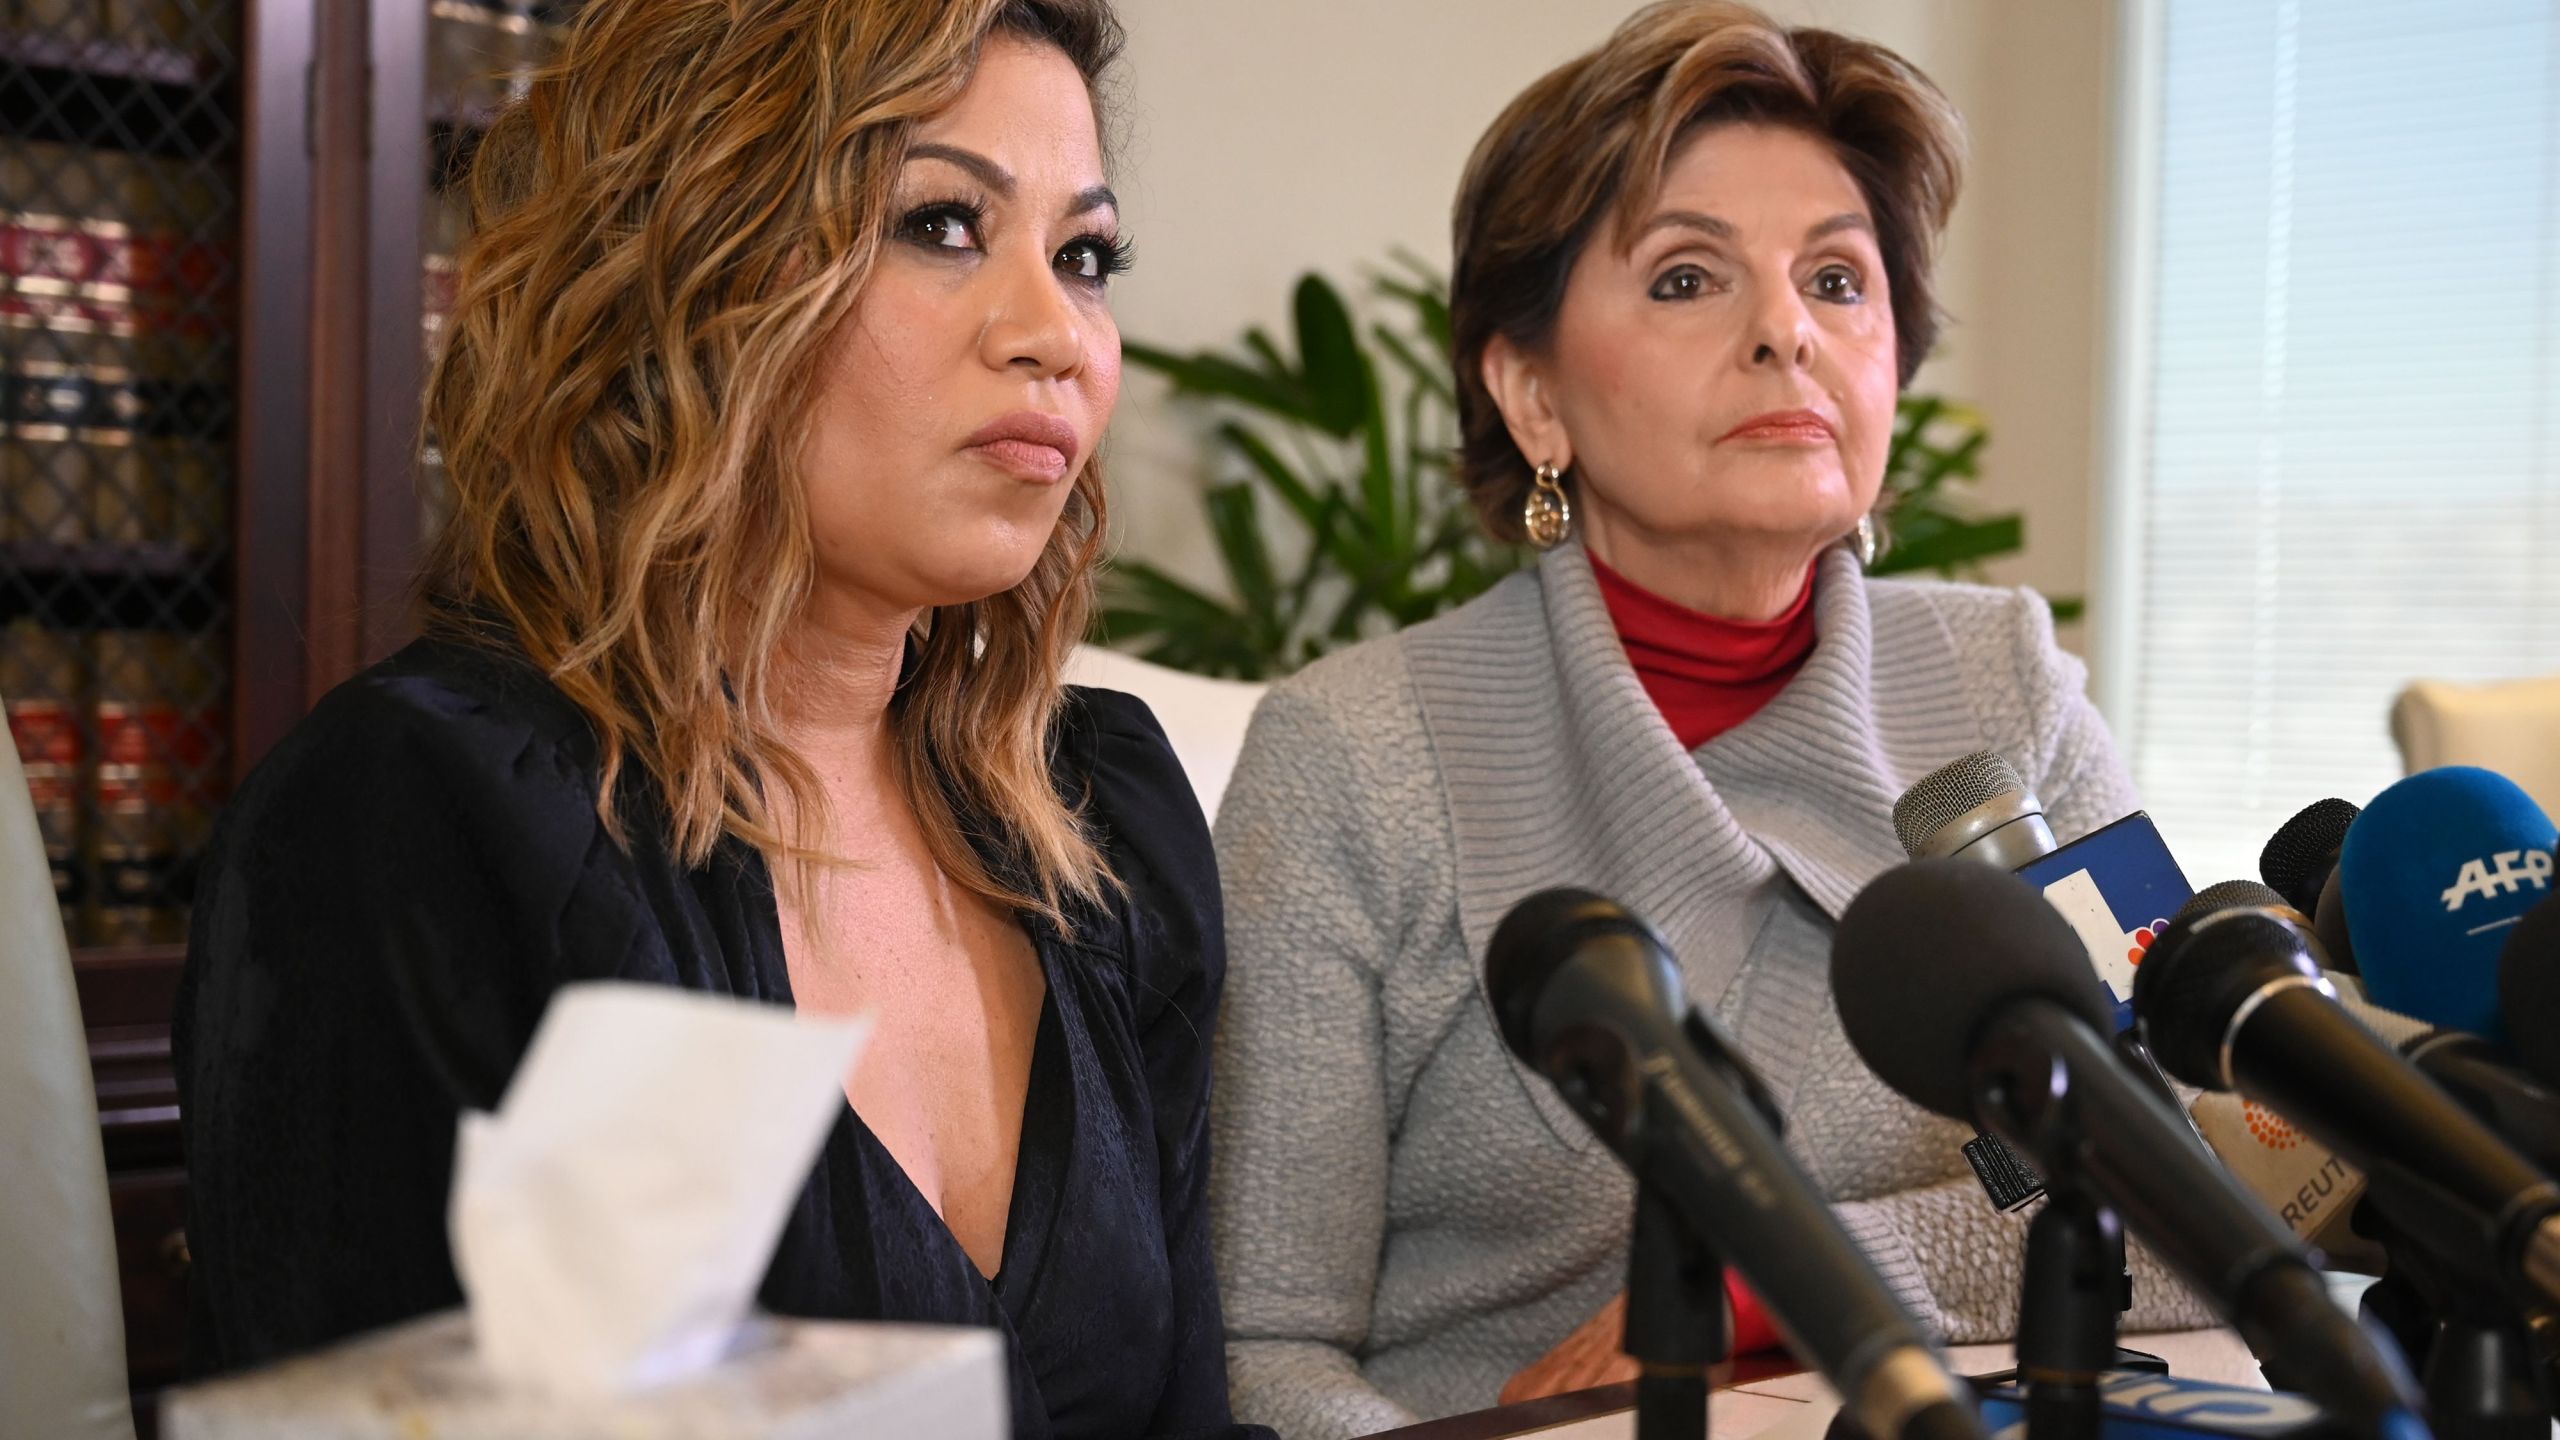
[2351, 460]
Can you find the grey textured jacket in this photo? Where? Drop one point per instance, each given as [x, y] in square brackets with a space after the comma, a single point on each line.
[1404, 1215]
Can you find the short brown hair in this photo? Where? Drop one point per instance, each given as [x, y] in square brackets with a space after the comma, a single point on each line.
[668, 229]
[1592, 140]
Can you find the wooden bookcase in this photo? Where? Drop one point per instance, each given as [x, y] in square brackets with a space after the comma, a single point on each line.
[222, 252]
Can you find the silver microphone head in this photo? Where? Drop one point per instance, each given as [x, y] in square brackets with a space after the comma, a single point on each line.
[1977, 807]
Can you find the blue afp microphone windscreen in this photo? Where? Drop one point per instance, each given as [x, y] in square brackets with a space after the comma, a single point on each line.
[2434, 874]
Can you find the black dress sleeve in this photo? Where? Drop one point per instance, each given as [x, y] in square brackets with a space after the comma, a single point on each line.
[1158, 844]
[387, 906]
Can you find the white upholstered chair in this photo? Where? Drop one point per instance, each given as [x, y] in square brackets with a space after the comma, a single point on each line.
[61, 1318]
[1204, 717]
[2512, 727]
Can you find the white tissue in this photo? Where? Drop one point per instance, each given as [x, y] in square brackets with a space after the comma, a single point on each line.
[612, 1221]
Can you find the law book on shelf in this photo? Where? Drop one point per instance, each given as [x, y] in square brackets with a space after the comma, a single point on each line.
[116, 303]
[93, 32]
[154, 24]
[40, 682]
[153, 781]
[73, 22]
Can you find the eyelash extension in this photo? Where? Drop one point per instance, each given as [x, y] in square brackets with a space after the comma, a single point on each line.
[1118, 252]
[969, 212]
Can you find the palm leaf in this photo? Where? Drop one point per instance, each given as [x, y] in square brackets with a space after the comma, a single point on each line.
[1332, 368]
[1966, 543]
[1294, 491]
[1215, 377]
[1428, 378]
[1237, 527]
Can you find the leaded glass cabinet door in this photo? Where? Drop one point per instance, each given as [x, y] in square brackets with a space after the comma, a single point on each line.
[119, 312]
[480, 54]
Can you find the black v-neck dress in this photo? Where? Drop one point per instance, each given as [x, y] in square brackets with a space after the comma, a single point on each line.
[394, 894]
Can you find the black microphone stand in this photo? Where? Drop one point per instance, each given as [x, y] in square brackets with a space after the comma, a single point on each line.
[2484, 1370]
[2075, 1288]
[1677, 1327]
[2076, 1283]
[2543, 1329]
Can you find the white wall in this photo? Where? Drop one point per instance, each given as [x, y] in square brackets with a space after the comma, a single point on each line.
[1260, 140]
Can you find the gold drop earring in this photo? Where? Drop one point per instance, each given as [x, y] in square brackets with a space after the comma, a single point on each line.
[1547, 513]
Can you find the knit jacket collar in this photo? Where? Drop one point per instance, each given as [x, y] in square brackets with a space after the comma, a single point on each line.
[1607, 799]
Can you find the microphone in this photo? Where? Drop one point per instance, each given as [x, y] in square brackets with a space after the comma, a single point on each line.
[2518, 1108]
[2521, 1110]
[2116, 885]
[1590, 997]
[2113, 886]
[2479, 1376]
[2309, 1185]
[2529, 989]
[1969, 994]
[2233, 999]
[2300, 863]
[2434, 875]
[1975, 806]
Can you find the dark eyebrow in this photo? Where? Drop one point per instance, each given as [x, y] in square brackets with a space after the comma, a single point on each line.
[1687, 220]
[1723, 229]
[997, 178]
[1845, 220]
[987, 172]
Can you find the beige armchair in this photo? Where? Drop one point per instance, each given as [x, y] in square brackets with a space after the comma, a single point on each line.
[1203, 717]
[2512, 727]
[61, 1320]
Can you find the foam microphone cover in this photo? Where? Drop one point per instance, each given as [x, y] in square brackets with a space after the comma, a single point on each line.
[2529, 989]
[1534, 940]
[2200, 972]
[2435, 873]
[2302, 852]
[1931, 951]
[2233, 895]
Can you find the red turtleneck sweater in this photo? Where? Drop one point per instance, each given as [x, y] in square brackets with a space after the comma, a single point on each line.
[1706, 674]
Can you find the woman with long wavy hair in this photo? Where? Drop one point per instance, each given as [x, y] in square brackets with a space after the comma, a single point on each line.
[770, 404]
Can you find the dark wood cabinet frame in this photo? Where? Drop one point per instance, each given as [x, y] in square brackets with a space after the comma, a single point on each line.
[333, 183]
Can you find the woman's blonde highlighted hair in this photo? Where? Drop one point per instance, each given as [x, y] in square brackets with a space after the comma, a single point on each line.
[667, 230]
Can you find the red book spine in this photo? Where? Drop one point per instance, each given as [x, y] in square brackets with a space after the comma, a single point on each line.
[153, 780]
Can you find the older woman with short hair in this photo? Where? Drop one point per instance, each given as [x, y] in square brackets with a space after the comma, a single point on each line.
[1692, 276]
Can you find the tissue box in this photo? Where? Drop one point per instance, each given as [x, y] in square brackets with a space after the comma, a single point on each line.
[789, 1380]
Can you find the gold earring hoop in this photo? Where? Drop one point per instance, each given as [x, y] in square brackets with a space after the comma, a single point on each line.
[1547, 513]
[1869, 543]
